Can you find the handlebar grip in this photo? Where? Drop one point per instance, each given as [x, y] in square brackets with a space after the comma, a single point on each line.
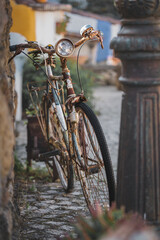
[12, 48]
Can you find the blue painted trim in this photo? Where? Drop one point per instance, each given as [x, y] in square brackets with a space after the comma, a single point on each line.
[102, 54]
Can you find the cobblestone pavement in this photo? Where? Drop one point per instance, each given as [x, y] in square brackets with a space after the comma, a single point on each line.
[108, 104]
[46, 211]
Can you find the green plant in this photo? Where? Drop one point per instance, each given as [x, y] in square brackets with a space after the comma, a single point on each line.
[61, 26]
[112, 224]
[31, 76]
[18, 166]
[30, 111]
[37, 78]
[32, 175]
[27, 205]
[33, 188]
[39, 174]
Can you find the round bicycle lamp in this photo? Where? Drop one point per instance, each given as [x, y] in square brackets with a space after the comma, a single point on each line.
[64, 48]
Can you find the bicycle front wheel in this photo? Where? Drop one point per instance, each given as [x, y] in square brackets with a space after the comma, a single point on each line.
[94, 167]
[58, 139]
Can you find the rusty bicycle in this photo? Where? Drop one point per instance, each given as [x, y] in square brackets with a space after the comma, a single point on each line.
[72, 130]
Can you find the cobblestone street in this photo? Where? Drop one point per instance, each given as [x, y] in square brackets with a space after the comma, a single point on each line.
[47, 212]
[108, 104]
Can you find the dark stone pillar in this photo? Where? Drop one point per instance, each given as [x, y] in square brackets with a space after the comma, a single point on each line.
[138, 47]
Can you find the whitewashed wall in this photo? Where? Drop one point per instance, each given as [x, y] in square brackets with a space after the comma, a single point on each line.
[78, 21]
[46, 26]
[114, 30]
[16, 38]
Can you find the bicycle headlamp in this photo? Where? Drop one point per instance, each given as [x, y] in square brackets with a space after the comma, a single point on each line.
[64, 48]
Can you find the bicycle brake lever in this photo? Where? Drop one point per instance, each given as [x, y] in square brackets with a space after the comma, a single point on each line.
[98, 35]
[101, 42]
[100, 39]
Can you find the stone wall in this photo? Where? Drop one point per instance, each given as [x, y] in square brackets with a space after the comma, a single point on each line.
[6, 124]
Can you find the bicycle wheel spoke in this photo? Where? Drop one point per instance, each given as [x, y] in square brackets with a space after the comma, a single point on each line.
[91, 137]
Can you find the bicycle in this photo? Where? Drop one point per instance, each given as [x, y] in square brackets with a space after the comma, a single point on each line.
[69, 125]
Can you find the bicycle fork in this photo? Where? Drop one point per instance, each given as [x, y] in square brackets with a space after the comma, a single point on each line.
[57, 108]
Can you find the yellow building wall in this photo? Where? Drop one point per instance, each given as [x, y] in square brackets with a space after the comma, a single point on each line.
[23, 21]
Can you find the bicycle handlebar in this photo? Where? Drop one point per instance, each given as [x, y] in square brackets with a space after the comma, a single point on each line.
[91, 35]
[22, 46]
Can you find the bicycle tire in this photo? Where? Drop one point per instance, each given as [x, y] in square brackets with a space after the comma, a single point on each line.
[62, 163]
[99, 168]
[69, 184]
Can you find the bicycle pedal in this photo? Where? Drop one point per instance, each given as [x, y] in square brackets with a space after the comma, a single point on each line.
[93, 170]
[47, 155]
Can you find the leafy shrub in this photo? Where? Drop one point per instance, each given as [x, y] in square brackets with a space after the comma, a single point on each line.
[18, 166]
[113, 224]
[31, 75]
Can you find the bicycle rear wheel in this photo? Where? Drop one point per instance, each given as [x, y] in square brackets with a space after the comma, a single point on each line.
[94, 167]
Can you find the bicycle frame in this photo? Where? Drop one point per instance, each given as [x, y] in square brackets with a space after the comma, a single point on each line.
[72, 117]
